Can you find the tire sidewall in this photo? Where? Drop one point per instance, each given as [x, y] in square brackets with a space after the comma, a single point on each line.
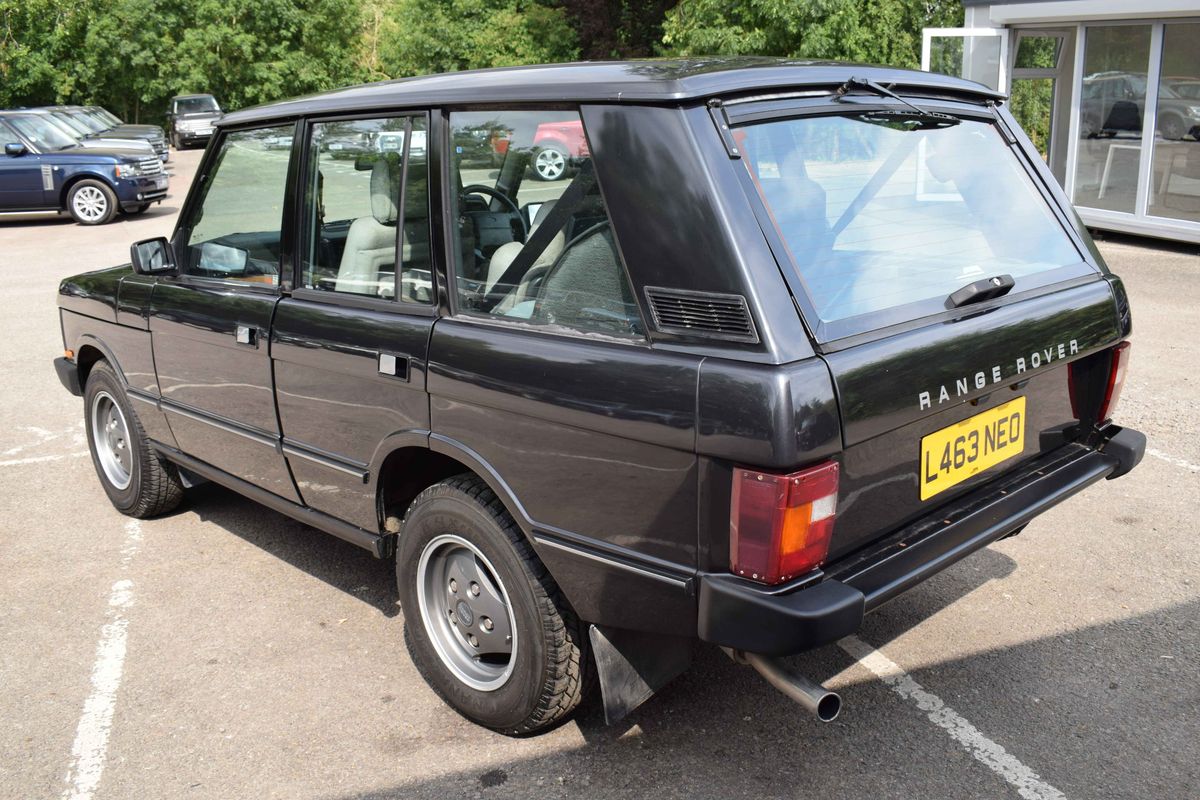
[454, 512]
[101, 378]
[110, 198]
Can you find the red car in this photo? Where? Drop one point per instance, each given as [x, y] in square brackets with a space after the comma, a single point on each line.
[555, 146]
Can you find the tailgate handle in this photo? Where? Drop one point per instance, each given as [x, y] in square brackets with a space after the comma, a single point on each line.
[980, 290]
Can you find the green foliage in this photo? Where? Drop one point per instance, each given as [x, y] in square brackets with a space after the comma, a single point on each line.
[423, 36]
[874, 31]
[132, 55]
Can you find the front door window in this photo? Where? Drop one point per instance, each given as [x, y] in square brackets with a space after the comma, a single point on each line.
[236, 230]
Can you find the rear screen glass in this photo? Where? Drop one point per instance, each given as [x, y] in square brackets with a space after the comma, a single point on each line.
[878, 213]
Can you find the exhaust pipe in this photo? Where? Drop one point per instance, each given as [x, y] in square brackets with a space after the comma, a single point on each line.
[826, 705]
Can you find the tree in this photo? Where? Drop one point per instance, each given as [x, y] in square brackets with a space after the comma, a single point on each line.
[617, 28]
[874, 31]
[423, 36]
[38, 39]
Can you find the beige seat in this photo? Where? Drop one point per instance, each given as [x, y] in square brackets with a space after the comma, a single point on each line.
[371, 241]
[505, 254]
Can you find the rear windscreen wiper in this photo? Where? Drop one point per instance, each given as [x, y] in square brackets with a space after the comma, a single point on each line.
[924, 119]
[981, 290]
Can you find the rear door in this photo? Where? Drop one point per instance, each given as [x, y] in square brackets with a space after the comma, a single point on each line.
[211, 323]
[349, 345]
[943, 286]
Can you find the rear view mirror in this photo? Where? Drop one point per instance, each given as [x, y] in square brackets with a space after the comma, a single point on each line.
[14, 149]
[152, 256]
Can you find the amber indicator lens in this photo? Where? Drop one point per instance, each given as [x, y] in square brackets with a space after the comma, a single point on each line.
[780, 525]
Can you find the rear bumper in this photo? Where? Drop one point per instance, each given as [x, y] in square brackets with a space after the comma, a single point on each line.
[823, 607]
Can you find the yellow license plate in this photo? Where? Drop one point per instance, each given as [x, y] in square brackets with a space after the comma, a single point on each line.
[953, 454]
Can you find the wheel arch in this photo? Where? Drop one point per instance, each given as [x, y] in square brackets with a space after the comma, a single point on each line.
[88, 352]
[70, 182]
[409, 468]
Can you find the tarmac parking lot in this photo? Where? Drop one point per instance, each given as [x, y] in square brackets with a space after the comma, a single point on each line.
[225, 651]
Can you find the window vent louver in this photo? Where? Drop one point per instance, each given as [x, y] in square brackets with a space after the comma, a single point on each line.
[707, 314]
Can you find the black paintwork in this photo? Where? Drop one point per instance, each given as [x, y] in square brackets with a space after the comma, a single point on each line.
[615, 456]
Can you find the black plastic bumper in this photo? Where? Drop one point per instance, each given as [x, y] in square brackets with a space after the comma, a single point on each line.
[822, 608]
[68, 373]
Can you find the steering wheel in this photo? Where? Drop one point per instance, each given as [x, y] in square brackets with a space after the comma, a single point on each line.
[479, 188]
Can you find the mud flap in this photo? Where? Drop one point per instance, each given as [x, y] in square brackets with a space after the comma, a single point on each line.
[632, 666]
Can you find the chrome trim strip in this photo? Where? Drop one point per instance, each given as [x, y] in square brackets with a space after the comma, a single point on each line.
[645, 573]
[198, 416]
[349, 469]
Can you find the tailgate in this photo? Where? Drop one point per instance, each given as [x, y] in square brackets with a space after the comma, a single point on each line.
[925, 384]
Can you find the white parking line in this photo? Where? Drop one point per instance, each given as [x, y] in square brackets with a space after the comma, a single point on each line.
[90, 750]
[982, 749]
[1179, 462]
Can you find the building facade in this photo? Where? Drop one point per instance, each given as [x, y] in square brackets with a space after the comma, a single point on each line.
[1109, 91]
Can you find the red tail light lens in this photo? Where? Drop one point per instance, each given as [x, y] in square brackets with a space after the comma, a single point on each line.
[1116, 380]
[780, 525]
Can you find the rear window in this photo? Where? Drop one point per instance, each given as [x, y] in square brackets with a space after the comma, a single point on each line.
[884, 217]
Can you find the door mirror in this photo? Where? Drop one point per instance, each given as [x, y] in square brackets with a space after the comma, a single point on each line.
[14, 149]
[152, 257]
[223, 259]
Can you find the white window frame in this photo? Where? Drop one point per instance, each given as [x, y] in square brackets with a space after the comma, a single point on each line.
[927, 35]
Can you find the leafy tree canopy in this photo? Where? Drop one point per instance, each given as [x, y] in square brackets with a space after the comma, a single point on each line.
[872, 31]
[132, 55]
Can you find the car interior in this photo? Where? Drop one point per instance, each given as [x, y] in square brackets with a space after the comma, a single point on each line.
[541, 252]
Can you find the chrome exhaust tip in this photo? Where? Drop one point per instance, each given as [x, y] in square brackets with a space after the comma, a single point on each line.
[814, 697]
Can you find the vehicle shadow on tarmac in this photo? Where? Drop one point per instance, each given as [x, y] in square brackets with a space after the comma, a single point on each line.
[1059, 704]
[720, 731]
[342, 565]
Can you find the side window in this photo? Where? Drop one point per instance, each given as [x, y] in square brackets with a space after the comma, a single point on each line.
[534, 239]
[359, 182]
[235, 227]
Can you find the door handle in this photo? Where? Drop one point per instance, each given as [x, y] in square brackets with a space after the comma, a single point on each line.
[393, 366]
[246, 335]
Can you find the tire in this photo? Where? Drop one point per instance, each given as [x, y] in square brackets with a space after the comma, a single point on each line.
[1171, 127]
[91, 202]
[136, 480]
[542, 678]
[175, 141]
[550, 162]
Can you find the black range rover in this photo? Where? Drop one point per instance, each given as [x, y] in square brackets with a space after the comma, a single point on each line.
[792, 338]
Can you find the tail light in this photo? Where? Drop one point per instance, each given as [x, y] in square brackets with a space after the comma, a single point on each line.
[1116, 380]
[780, 525]
[1087, 391]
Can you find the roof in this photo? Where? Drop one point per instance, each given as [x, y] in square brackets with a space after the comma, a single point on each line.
[649, 81]
[190, 96]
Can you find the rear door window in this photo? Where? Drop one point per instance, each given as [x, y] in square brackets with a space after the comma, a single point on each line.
[884, 216]
[534, 243]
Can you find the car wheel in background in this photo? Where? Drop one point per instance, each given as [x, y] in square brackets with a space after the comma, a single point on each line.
[485, 623]
[549, 162]
[1171, 127]
[91, 202]
[136, 480]
[175, 142]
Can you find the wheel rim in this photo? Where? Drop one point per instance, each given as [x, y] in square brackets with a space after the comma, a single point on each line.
[550, 164]
[466, 612]
[110, 433]
[90, 203]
